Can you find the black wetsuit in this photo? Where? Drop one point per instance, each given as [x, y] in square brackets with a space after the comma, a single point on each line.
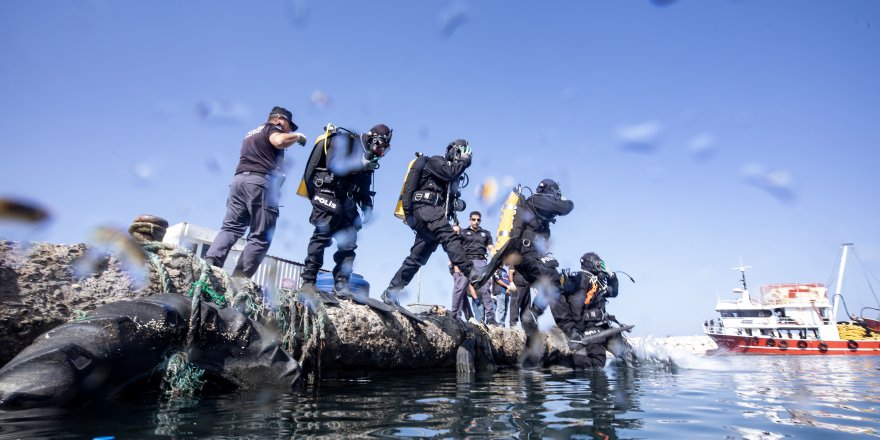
[336, 193]
[430, 222]
[580, 310]
[543, 210]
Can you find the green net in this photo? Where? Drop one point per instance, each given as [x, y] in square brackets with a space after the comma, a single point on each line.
[181, 379]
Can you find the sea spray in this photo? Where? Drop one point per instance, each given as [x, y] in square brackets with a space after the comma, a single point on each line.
[677, 351]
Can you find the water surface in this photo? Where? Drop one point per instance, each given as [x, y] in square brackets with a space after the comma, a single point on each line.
[729, 397]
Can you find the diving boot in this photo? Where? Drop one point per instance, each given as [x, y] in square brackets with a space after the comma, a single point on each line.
[308, 286]
[529, 320]
[390, 297]
[342, 289]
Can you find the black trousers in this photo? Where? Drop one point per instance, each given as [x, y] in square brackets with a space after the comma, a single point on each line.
[520, 300]
[342, 226]
[568, 312]
[432, 230]
[533, 270]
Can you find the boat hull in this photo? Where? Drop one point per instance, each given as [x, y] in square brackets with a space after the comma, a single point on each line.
[765, 345]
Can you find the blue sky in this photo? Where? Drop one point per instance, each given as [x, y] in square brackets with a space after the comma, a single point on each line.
[688, 133]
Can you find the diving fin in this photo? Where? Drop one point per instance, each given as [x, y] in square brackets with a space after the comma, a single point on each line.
[371, 302]
[319, 296]
[601, 336]
[405, 312]
[383, 306]
[327, 298]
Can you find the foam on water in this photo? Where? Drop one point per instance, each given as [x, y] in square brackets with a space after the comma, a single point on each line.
[678, 351]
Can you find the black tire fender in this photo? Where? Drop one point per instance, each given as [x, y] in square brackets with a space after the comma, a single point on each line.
[770, 342]
[783, 344]
[852, 345]
[823, 347]
[802, 344]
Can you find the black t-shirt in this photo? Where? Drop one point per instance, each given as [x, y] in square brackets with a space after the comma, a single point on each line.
[476, 242]
[257, 153]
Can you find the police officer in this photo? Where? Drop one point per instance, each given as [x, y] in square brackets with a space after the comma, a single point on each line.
[580, 311]
[255, 192]
[338, 179]
[431, 201]
[477, 244]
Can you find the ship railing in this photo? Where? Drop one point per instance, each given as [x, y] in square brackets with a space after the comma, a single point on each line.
[714, 329]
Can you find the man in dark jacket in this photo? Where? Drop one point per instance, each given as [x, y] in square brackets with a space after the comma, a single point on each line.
[433, 204]
[580, 312]
[338, 179]
[255, 193]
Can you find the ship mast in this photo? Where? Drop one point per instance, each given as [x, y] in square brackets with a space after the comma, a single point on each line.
[742, 269]
[846, 247]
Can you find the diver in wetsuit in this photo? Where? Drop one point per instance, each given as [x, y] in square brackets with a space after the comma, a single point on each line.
[580, 312]
[431, 201]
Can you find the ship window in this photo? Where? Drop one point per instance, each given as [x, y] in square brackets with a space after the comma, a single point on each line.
[746, 314]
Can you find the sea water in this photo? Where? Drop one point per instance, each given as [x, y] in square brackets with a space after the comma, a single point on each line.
[754, 397]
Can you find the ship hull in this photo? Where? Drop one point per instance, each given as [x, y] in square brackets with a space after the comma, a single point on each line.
[764, 345]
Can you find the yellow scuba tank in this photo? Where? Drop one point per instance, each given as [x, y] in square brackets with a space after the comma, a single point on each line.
[398, 209]
[508, 214]
[330, 129]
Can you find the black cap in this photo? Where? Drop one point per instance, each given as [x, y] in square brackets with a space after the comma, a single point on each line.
[284, 113]
[548, 185]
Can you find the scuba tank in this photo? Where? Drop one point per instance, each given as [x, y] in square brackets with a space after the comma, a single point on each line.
[510, 228]
[306, 185]
[510, 225]
[410, 185]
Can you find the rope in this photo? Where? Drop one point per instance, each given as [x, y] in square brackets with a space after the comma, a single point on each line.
[163, 274]
[181, 378]
[868, 279]
[202, 282]
[300, 320]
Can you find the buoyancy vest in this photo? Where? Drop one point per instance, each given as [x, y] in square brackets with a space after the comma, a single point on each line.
[317, 161]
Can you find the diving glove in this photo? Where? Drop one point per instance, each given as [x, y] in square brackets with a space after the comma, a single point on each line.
[366, 214]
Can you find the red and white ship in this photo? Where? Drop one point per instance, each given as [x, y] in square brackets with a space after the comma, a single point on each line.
[791, 319]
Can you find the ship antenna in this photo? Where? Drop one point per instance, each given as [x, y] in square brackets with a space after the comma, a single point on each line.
[742, 270]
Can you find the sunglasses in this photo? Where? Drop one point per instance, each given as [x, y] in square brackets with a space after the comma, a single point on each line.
[476, 220]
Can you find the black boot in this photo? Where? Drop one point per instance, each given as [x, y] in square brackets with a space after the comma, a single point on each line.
[308, 286]
[389, 296]
[342, 289]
